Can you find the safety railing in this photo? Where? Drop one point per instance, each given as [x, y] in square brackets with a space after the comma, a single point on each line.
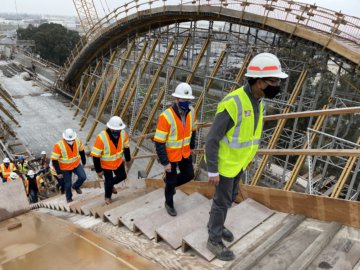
[335, 24]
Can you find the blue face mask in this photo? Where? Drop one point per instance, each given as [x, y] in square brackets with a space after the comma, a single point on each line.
[115, 133]
[184, 105]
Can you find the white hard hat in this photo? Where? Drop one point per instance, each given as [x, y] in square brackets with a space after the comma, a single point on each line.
[183, 90]
[31, 173]
[13, 175]
[69, 135]
[6, 160]
[115, 123]
[43, 152]
[265, 65]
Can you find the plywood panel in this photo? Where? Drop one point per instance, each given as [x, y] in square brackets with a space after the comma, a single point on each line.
[240, 219]
[114, 214]
[173, 232]
[143, 212]
[13, 200]
[155, 220]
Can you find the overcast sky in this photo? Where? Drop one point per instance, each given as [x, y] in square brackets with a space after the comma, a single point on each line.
[66, 7]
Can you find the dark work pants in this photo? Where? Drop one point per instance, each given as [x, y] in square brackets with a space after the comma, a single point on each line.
[110, 180]
[79, 171]
[60, 183]
[173, 179]
[225, 194]
[33, 194]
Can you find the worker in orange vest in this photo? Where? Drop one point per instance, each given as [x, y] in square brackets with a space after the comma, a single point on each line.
[174, 139]
[33, 184]
[6, 168]
[12, 177]
[66, 157]
[108, 150]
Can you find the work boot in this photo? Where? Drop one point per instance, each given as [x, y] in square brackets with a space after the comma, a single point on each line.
[114, 191]
[78, 190]
[108, 201]
[220, 251]
[69, 200]
[227, 235]
[171, 210]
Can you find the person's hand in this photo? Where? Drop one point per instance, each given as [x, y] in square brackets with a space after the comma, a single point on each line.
[100, 174]
[214, 180]
[168, 168]
[60, 176]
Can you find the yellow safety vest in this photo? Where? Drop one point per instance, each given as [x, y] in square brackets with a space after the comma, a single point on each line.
[241, 142]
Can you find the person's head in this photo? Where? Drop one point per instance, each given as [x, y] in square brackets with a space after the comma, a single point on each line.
[6, 161]
[115, 125]
[43, 154]
[183, 96]
[31, 174]
[264, 75]
[13, 176]
[21, 158]
[69, 136]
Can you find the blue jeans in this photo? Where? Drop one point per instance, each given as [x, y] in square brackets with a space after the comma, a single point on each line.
[33, 194]
[79, 171]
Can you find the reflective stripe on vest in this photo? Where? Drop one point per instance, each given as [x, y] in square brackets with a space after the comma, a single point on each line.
[106, 156]
[64, 154]
[240, 143]
[6, 171]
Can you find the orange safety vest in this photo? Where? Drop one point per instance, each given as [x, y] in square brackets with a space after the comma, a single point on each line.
[68, 159]
[6, 171]
[174, 134]
[104, 148]
[39, 181]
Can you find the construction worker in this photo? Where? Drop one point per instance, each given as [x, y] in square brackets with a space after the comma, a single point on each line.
[6, 168]
[108, 150]
[33, 184]
[22, 165]
[12, 177]
[174, 139]
[233, 141]
[66, 157]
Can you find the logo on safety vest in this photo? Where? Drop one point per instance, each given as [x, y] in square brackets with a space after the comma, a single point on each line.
[247, 113]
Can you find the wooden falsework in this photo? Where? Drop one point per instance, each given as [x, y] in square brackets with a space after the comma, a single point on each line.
[135, 83]
[88, 86]
[242, 71]
[344, 175]
[161, 95]
[107, 97]
[312, 206]
[97, 90]
[8, 100]
[300, 161]
[280, 126]
[189, 80]
[8, 114]
[129, 79]
[81, 84]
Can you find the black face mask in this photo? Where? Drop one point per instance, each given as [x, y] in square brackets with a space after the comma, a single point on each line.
[271, 91]
[115, 133]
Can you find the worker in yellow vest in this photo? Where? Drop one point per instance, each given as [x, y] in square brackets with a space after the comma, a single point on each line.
[233, 141]
[6, 168]
[33, 184]
[22, 166]
[174, 140]
[66, 157]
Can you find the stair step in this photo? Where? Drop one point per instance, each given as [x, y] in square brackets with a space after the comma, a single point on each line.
[155, 220]
[114, 214]
[142, 213]
[173, 232]
[241, 219]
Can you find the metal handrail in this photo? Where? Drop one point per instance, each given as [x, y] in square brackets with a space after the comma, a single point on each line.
[335, 24]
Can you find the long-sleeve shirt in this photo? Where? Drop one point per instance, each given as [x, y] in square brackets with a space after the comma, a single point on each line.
[221, 125]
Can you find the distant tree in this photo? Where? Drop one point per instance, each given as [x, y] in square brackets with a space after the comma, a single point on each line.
[53, 42]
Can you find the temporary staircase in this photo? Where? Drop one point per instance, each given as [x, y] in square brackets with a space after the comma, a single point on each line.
[264, 238]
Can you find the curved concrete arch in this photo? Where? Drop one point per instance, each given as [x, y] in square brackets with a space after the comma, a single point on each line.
[142, 21]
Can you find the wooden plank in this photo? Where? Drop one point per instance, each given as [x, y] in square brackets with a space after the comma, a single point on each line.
[143, 212]
[240, 219]
[255, 256]
[124, 197]
[313, 206]
[174, 231]
[13, 200]
[155, 220]
[114, 214]
[343, 252]
[63, 205]
[312, 251]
